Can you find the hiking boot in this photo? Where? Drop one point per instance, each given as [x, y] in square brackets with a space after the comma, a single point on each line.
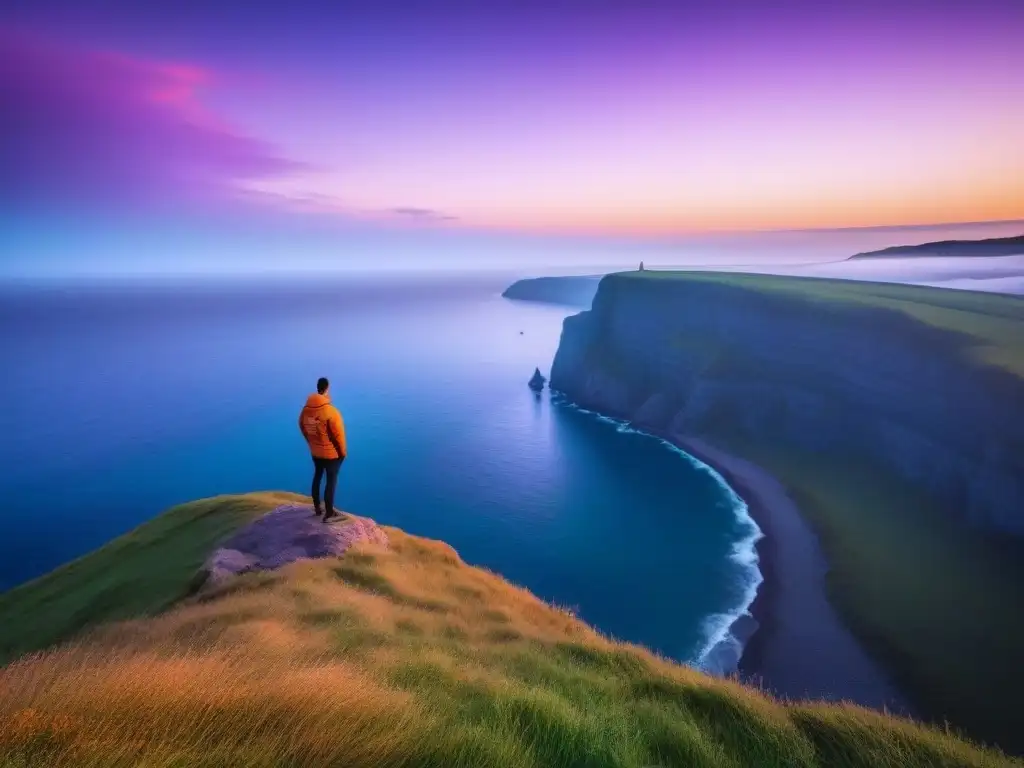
[330, 516]
[317, 512]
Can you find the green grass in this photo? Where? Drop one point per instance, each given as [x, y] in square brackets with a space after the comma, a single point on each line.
[399, 657]
[990, 323]
[139, 573]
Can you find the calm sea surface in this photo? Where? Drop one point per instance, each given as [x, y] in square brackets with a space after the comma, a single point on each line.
[117, 403]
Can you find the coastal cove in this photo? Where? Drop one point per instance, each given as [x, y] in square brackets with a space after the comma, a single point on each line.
[725, 651]
[447, 441]
[787, 637]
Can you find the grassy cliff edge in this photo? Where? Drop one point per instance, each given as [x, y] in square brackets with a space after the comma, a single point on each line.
[383, 657]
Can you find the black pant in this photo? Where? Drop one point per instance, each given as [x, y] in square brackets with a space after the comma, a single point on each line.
[330, 467]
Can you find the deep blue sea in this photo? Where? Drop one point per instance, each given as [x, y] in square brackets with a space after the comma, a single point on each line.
[117, 402]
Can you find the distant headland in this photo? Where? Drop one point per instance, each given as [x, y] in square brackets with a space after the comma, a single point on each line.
[571, 291]
[995, 246]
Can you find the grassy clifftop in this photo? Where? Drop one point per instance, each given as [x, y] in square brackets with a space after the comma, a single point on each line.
[405, 656]
[991, 322]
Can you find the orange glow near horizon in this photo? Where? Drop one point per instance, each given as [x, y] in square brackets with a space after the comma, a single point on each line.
[640, 124]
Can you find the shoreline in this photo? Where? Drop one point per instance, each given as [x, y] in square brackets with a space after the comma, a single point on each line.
[756, 632]
[798, 647]
[789, 640]
[726, 653]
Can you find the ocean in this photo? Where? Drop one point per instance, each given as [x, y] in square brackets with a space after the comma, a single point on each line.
[118, 401]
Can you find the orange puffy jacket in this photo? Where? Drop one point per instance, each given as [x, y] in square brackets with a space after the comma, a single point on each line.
[321, 425]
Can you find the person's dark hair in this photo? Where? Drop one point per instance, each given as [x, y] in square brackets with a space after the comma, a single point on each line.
[322, 384]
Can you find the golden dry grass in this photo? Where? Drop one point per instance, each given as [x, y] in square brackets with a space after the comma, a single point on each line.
[409, 657]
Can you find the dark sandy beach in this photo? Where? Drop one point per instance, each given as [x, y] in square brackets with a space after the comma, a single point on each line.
[800, 648]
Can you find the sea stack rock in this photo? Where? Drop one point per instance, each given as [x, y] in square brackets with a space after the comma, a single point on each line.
[537, 380]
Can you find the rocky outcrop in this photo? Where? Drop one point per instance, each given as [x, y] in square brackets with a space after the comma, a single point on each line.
[706, 357]
[282, 536]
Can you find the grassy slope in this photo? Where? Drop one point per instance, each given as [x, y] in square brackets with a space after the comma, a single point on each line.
[388, 658]
[940, 605]
[141, 572]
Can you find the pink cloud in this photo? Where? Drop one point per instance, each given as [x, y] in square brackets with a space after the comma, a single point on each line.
[85, 127]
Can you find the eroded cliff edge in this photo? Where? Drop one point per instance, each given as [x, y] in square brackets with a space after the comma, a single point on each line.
[698, 356]
[894, 417]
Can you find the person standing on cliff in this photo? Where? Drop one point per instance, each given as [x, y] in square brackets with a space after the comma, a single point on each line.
[320, 423]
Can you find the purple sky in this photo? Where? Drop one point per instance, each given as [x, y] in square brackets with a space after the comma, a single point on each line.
[465, 124]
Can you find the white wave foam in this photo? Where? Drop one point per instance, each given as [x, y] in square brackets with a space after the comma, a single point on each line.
[722, 648]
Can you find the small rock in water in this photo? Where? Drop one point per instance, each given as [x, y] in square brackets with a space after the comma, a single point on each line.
[537, 381]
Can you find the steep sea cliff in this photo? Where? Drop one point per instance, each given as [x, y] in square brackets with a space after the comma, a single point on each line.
[892, 415]
[684, 354]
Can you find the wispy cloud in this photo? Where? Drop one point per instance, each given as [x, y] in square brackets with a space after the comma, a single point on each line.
[88, 126]
[299, 198]
[422, 214]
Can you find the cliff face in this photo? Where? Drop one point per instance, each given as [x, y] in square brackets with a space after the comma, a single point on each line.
[703, 357]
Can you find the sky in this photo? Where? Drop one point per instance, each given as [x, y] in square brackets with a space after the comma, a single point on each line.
[255, 135]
